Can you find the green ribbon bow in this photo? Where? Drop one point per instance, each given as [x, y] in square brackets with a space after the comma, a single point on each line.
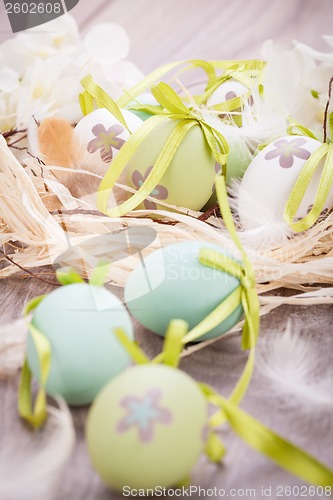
[245, 294]
[281, 451]
[324, 152]
[172, 108]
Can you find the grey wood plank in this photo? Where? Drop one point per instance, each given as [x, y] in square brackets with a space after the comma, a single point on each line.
[161, 32]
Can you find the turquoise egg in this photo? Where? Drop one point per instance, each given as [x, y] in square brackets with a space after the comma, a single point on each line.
[172, 283]
[78, 320]
[146, 99]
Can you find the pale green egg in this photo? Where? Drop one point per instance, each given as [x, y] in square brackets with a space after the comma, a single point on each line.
[190, 176]
[172, 283]
[238, 160]
[78, 320]
[147, 428]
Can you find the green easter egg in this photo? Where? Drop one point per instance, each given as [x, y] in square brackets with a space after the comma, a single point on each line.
[147, 428]
[78, 321]
[171, 283]
[144, 115]
[146, 99]
[190, 176]
[239, 158]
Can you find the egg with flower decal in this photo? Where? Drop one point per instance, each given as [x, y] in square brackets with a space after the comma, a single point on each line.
[228, 90]
[78, 321]
[172, 283]
[190, 176]
[269, 180]
[147, 428]
[100, 136]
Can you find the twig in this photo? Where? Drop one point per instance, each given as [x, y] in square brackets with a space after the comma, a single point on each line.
[215, 210]
[33, 275]
[12, 132]
[326, 108]
[17, 140]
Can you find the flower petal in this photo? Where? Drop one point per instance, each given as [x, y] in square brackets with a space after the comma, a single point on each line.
[136, 178]
[108, 43]
[272, 154]
[286, 161]
[98, 129]
[162, 193]
[92, 146]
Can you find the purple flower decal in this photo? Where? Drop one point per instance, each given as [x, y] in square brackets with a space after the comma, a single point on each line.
[230, 95]
[159, 192]
[144, 414]
[105, 140]
[286, 150]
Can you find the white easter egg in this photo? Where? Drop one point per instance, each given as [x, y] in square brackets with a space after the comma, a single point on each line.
[269, 180]
[100, 136]
[227, 91]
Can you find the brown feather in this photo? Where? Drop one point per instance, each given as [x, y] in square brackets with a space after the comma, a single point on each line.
[60, 148]
[56, 142]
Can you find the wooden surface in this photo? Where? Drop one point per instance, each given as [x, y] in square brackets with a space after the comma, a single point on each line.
[161, 31]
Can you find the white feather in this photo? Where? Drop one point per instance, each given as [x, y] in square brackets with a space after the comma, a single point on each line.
[12, 347]
[270, 229]
[289, 363]
[32, 470]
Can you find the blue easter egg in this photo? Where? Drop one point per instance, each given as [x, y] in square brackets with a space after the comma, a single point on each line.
[78, 320]
[172, 283]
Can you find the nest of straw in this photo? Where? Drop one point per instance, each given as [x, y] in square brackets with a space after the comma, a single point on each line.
[38, 236]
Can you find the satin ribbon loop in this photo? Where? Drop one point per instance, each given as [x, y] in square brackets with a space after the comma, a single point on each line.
[131, 347]
[102, 99]
[214, 449]
[302, 183]
[35, 414]
[99, 274]
[289, 457]
[68, 276]
[172, 107]
[248, 297]
[297, 129]
[173, 344]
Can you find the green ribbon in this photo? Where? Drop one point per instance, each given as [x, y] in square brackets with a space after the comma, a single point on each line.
[209, 67]
[36, 414]
[186, 119]
[285, 454]
[288, 456]
[296, 129]
[170, 356]
[171, 107]
[244, 294]
[94, 92]
[324, 152]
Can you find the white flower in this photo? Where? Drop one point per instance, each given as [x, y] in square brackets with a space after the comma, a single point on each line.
[41, 69]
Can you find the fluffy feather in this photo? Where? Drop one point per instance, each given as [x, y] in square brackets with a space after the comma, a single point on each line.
[61, 149]
[12, 347]
[56, 142]
[269, 232]
[33, 470]
[289, 364]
